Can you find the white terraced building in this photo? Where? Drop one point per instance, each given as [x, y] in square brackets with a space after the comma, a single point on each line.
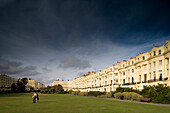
[150, 68]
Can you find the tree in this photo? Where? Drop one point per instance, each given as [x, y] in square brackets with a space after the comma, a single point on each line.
[58, 89]
[13, 88]
[21, 84]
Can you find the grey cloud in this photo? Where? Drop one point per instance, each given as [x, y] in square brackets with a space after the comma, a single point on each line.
[16, 69]
[46, 69]
[74, 62]
[6, 64]
[81, 73]
[52, 59]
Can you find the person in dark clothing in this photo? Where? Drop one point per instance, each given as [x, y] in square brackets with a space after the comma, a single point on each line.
[37, 97]
[34, 98]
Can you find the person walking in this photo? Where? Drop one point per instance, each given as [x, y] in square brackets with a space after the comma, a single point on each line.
[34, 97]
[37, 97]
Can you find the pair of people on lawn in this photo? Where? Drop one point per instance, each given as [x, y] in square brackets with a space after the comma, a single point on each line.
[35, 97]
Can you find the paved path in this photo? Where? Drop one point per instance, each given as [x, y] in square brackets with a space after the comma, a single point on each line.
[167, 105]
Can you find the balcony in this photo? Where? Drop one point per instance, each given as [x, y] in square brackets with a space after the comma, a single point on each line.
[129, 83]
[155, 80]
[116, 84]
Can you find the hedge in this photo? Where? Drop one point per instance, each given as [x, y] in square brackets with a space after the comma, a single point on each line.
[128, 96]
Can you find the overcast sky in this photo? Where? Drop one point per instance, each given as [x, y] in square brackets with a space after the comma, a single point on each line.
[62, 39]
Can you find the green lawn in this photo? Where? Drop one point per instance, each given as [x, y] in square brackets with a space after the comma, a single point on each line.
[57, 103]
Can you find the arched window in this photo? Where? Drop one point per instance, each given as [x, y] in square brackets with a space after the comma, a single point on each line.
[143, 57]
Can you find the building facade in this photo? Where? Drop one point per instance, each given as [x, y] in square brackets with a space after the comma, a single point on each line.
[150, 68]
[6, 82]
[65, 84]
[33, 85]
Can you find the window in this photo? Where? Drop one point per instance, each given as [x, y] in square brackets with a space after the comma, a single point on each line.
[160, 62]
[138, 59]
[105, 77]
[145, 77]
[123, 65]
[128, 63]
[145, 67]
[132, 70]
[154, 73]
[110, 88]
[154, 53]
[150, 54]
[111, 81]
[105, 82]
[99, 78]
[143, 57]
[160, 75]
[132, 80]
[128, 70]
[111, 69]
[154, 63]
[132, 62]
[116, 80]
[159, 51]
[139, 78]
[123, 73]
[123, 81]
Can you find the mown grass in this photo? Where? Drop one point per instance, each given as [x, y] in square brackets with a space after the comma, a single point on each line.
[60, 103]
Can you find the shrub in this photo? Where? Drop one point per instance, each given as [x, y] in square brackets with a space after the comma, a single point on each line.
[120, 89]
[69, 91]
[118, 95]
[136, 97]
[94, 93]
[158, 94]
[109, 95]
[113, 92]
[103, 96]
[76, 92]
[102, 93]
[127, 95]
[127, 89]
[82, 93]
[72, 93]
[168, 96]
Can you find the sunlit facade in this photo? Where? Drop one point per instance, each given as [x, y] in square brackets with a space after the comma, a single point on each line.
[150, 68]
[65, 84]
[33, 85]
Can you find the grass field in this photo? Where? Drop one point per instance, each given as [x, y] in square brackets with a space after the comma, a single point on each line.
[57, 103]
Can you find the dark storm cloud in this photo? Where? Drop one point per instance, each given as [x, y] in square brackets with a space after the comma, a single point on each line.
[16, 68]
[45, 32]
[4, 3]
[74, 62]
[63, 24]
[6, 64]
